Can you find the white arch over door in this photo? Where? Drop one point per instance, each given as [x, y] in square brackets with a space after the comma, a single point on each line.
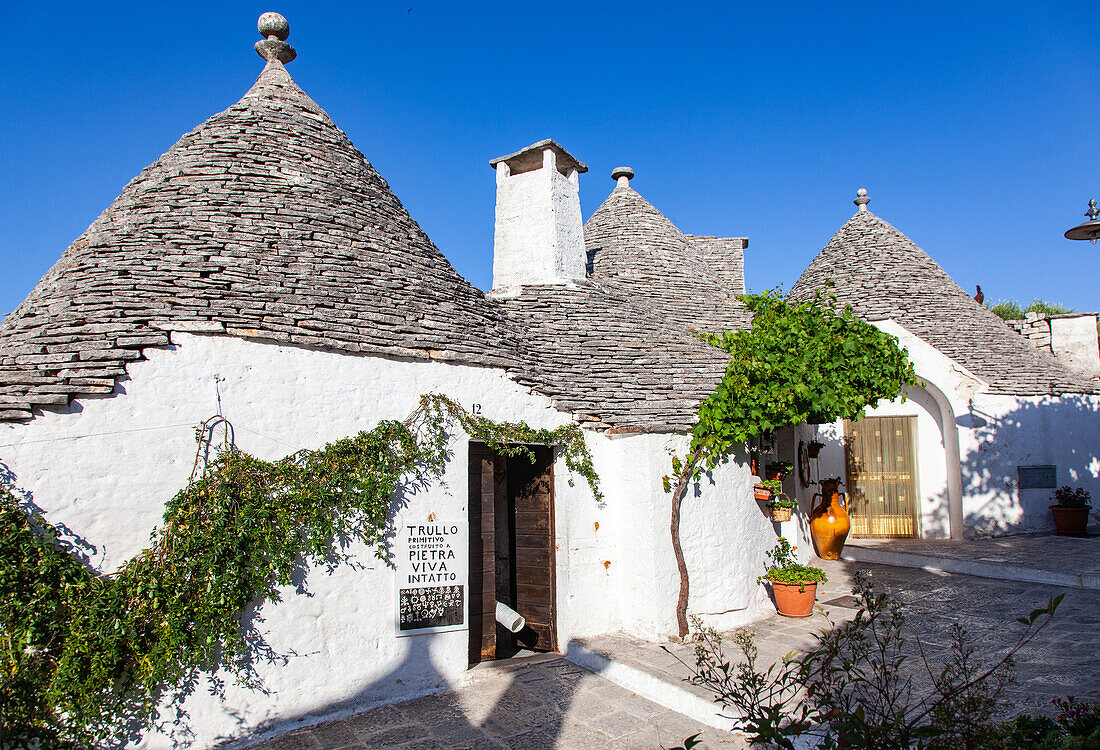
[950, 386]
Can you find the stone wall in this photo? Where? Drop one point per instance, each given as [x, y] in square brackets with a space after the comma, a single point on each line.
[1070, 338]
[1035, 328]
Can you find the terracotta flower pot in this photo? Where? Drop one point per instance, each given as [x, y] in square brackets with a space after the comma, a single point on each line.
[781, 513]
[775, 472]
[812, 449]
[794, 603]
[761, 493]
[1070, 521]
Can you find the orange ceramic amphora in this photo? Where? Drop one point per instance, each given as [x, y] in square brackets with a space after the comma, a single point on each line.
[829, 522]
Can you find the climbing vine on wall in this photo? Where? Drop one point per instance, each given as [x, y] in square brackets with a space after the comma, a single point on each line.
[800, 362]
[84, 656]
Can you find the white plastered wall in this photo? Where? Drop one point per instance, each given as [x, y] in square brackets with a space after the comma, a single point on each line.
[994, 435]
[105, 467]
[723, 531]
[1006, 432]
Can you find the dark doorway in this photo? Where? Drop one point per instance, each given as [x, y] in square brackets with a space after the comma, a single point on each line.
[511, 551]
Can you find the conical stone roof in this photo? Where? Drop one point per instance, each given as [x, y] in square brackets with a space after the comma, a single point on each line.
[263, 222]
[635, 248]
[617, 349]
[882, 274]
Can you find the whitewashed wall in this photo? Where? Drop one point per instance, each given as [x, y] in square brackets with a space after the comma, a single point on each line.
[1004, 433]
[105, 467]
[723, 531]
[996, 434]
[538, 236]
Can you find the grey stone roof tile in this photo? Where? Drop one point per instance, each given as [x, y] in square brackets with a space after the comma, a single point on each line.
[882, 274]
[619, 347]
[264, 221]
[635, 248]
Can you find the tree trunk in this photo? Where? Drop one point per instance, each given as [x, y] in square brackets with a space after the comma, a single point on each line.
[674, 527]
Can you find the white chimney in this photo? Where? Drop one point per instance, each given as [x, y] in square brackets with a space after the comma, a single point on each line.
[539, 236]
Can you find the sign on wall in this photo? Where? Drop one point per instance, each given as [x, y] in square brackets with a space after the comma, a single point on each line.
[431, 559]
[1038, 477]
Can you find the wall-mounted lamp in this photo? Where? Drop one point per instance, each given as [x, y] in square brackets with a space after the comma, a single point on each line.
[1090, 230]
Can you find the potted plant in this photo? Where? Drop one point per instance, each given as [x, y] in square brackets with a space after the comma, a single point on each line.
[793, 585]
[1071, 513]
[764, 490]
[813, 448]
[782, 507]
[778, 469]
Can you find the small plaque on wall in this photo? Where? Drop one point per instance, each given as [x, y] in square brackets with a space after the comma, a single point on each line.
[1038, 477]
[432, 565]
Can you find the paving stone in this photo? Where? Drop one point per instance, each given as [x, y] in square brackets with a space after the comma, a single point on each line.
[335, 734]
[397, 735]
[558, 705]
[576, 715]
[294, 741]
[535, 740]
[620, 723]
[378, 720]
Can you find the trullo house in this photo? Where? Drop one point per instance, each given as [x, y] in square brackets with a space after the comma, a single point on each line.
[995, 426]
[262, 269]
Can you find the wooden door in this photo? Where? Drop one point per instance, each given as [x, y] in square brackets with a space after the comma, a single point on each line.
[882, 477]
[482, 554]
[531, 492]
[511, 516]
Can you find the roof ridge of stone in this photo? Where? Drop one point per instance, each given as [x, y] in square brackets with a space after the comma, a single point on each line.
[636, 247]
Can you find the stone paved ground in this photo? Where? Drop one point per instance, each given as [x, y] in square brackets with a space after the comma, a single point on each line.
[1063, 660]
[1041, 551]
[550, 703]
[535, 705]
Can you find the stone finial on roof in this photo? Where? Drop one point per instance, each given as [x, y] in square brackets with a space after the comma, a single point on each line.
[622, 175]
[274, 29]
[861, 199]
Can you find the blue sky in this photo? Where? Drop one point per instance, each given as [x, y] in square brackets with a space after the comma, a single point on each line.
[972, 125]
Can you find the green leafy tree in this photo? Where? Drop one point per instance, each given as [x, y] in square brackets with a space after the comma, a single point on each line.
[800, 362]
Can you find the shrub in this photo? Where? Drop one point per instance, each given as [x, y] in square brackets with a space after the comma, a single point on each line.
[858, 686]
[783, 501]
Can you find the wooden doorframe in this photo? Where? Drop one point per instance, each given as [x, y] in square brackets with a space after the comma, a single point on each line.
[482, 615]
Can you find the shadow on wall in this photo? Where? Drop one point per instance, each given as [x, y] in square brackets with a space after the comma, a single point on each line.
[1059, 431]
[77, 545]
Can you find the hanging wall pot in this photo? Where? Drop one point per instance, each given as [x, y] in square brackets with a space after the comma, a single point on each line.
[804, 463]
[829, 521]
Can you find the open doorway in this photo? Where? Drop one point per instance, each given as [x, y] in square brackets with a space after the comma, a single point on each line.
[511, 514]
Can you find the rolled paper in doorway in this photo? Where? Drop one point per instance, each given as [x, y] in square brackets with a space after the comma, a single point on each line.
[510, 618]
